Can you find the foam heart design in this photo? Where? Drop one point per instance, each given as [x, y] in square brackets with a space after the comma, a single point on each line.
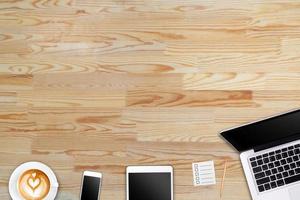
[34, 183]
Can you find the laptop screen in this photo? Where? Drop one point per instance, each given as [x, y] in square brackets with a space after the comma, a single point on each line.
[275, 131]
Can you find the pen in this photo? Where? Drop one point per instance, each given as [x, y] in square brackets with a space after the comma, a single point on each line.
[223, 179]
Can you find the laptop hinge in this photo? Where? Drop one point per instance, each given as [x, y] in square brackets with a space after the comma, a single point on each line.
[276, 143]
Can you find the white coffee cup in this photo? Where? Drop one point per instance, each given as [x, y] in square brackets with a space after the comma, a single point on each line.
[38, 166]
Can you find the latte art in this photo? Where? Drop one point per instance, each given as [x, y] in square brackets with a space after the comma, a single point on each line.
[33, 184]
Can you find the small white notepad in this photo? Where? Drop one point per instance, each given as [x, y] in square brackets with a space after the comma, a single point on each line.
[204, 173]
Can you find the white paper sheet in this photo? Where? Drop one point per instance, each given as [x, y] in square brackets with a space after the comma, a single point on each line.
[204, 173]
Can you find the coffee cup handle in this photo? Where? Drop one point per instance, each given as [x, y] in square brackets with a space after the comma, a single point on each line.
[55, 184]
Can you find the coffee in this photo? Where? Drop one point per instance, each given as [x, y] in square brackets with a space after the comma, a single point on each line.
[34, 184]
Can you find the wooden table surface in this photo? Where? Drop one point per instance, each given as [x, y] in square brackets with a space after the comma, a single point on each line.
[103, 84]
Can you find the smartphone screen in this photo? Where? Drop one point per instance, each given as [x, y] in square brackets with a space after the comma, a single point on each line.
[90, 188]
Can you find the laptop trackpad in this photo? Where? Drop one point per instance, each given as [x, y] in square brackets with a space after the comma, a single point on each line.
[294, 192]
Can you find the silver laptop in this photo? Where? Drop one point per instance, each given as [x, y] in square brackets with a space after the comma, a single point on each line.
[270, 155]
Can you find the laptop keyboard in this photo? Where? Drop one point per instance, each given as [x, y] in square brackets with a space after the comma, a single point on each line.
[276, 168]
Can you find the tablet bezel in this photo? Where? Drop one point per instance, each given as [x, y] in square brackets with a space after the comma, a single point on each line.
[148, 169]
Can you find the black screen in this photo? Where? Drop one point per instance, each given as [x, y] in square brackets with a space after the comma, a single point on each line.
[90, 188]
[273, 131]
[149, 186]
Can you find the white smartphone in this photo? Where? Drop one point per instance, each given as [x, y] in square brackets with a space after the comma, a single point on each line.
[149, 182]
[91, 185]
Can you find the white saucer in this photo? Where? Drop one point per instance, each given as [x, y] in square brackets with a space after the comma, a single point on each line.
[13, 190]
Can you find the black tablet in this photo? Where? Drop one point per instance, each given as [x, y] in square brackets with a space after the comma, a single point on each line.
[149, 183]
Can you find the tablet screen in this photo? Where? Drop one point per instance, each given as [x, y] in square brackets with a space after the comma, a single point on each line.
[150, 186]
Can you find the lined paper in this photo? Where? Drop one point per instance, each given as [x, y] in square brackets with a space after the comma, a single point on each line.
[204, 173]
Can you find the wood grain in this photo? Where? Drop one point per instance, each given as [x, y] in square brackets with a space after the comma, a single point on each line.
[100, 85]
